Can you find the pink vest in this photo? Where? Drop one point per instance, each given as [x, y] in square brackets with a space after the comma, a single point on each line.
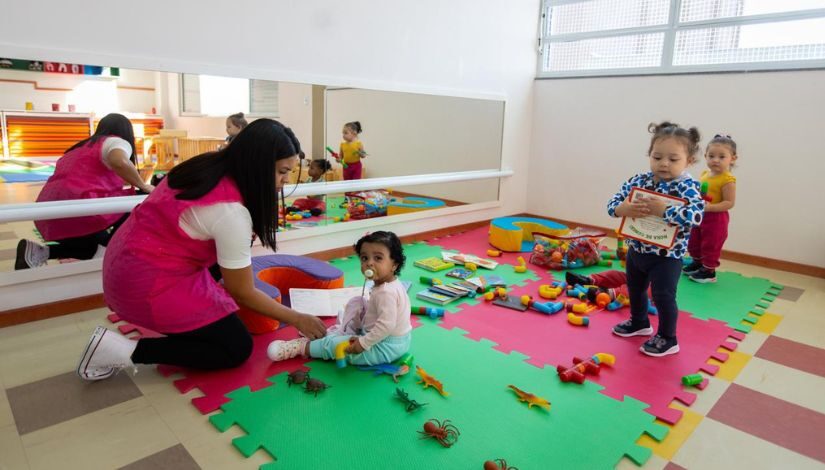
[155, 275]
[80, 174]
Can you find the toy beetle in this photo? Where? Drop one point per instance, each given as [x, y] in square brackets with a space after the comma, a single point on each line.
[315, 386]
[297, 377]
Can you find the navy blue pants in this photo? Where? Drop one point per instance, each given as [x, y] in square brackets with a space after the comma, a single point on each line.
[662, 275]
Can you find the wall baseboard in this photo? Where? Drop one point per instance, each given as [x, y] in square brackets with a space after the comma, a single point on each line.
[51, 310]
[771, 263]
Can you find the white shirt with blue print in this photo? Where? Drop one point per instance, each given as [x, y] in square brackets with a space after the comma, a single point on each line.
[684, 217]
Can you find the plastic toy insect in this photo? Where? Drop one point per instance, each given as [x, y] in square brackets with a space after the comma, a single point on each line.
[315, 386]
[297, 377]
[498, 464]
[530, 399]
[445, 433]
[429, 380]
[412, 405]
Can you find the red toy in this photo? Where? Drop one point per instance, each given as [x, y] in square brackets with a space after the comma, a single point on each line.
[498, 464]
[581, 368]
[445, 433]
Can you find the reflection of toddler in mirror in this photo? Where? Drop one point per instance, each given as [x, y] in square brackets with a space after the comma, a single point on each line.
[316, 205]
[234, 124]
[352, 150]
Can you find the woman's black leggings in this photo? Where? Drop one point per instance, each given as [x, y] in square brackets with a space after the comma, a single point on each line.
[223, 344]
[84, 247]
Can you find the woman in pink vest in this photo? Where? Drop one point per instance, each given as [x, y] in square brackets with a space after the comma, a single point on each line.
[97, 167]
[156, 268]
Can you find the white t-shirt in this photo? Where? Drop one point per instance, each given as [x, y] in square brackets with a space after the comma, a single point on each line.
[112, 143]
[229, 224]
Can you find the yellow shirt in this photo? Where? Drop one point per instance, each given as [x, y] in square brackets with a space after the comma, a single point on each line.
[349, 151]
[715, 184]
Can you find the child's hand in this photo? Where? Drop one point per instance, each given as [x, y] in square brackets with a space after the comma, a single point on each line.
[654, 206]
[633, 210]
[354, 346]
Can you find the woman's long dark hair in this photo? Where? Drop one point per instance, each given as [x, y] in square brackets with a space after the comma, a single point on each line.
[112, 124]
[250, 161]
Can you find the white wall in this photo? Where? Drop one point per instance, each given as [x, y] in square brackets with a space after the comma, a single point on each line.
[459, 48]
[132, 92]
[589, 135]
[413, 134]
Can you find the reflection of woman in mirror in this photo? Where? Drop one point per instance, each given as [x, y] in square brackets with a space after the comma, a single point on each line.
[316, 205]
[96, 167]
[234, 125]
[156, 269]
[352, 150]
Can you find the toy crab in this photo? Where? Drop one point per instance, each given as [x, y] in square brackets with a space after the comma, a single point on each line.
[529, 398]
[297, 377]
[315, 386]
[445, 433]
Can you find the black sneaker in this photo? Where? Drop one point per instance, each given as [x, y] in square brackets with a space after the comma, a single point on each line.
[658, 346]
[703, 275]
[692, 267]
[627, 329]
[573, 279]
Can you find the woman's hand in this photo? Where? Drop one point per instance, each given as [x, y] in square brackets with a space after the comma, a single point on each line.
[147, 188]
[312, 327]
[354, 346]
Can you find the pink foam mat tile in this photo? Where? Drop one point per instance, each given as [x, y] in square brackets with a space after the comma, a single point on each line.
[253, 373]
[215, 384]
[474, 242]
[127, 328]
[552, 340]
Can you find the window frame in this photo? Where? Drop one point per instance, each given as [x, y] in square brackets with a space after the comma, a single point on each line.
[670, 31]
[183, 113]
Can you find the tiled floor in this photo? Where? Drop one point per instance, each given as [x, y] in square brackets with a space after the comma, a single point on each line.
[764, 409]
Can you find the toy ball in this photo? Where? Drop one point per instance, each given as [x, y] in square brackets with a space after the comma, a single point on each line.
[602, 299]
[556, 257]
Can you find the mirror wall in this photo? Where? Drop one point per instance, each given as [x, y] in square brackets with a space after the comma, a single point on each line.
[46, 107]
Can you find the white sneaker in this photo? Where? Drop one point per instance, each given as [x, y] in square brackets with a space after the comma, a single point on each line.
[106, 354]
[30, 255]
[282, 350]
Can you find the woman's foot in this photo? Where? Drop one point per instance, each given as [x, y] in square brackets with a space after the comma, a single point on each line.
[282, 350]
[30, 255]
[106, 354]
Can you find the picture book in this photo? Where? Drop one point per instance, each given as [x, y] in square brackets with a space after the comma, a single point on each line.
[460, 273]
[462, 258]
[434, 297]
[434, 264]
[447, 289]
[322, 302]
[490, 280]
[511, 302]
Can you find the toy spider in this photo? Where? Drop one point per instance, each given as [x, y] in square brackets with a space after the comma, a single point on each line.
[445, 433]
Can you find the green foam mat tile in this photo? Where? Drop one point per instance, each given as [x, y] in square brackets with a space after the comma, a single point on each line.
[359, 420]
[729, 299]
[351, 267]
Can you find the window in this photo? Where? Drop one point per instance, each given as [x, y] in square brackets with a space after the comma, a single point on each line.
[624, 37]
[222, 96]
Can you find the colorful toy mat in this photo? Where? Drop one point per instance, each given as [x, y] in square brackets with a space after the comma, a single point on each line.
[476, 351]
[23, 171]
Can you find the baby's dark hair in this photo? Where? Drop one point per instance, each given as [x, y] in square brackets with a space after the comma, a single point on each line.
[321, 163]
[388, 239]
[238, 120]
[690, 137]
[724, 140]
[354, 126]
